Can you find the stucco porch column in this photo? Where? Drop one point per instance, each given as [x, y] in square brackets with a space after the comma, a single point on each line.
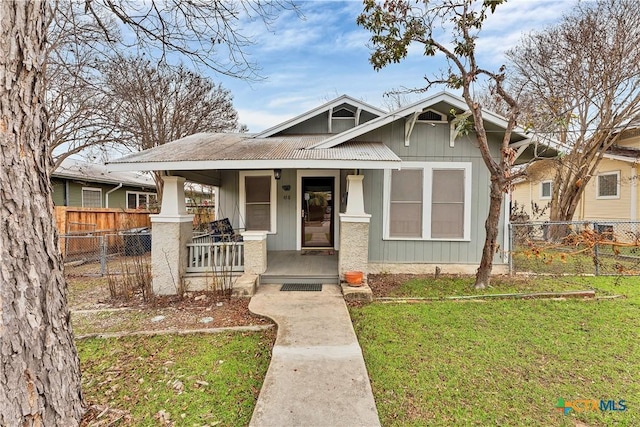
[354, 230]
[255, 252]
[171, 230]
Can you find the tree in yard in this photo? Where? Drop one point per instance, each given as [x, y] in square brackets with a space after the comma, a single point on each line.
[151, 105]
[39, 367]
[580, 82]
[395, 24]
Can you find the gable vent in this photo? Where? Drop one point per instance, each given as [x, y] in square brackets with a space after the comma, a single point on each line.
[342, 113]
[432, 116]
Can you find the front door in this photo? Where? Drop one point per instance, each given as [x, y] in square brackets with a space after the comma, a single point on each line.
[317, 212]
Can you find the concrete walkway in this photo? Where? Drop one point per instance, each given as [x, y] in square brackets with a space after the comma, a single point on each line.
[317, 375]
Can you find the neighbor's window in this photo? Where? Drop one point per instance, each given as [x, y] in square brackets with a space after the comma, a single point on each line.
[140, 200]
[91, 197]
[405, 212]
[428, 200]
[545, 189]
[608, 185]
[258, 204]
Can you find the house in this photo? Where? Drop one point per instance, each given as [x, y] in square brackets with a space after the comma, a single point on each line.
[612, 194]
[81, 184]
[391, 192]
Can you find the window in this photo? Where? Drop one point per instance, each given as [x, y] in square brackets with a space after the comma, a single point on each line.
[447, 204]
[608, 185]
[428, 201]
[257, 201]
[139, 200]
[406, 203]
[545, 189]
[91, 197]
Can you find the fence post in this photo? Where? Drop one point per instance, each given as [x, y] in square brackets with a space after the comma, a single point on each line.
[596, 259]
[510, 249]
[103, 255]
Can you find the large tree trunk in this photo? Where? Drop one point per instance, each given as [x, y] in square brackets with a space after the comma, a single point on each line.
[39, 366]
[483, 275]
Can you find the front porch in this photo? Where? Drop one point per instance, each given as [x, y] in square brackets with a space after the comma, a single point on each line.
[301, 267]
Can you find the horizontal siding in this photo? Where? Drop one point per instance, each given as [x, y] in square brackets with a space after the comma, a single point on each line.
[314, 125]
[619, 208]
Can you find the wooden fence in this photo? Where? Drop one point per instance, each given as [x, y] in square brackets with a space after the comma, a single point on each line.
[74, 220]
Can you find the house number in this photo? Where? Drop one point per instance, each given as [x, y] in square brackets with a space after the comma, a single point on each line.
[287, 197]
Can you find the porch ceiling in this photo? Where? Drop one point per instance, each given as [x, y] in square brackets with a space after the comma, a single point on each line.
[206, 151]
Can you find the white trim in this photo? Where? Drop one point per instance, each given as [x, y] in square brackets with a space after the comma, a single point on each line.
[621, 158]
[337, 193]
[428, 168]
[273, 199]
[261, 164]
[541, 192]
[94, 189]
[171, 218]
[452, 100]
[137, 193]
[344, 99]
[617, 195]
[355, 218]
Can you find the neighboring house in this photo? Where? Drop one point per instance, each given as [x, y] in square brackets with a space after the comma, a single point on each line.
[612, 194]
[81, 184]
[390, 192]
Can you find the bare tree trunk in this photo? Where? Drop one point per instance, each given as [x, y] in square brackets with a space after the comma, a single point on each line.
[39, 366]
[483, 275]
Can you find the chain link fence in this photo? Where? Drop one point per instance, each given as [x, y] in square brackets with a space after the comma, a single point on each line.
[578, 247]
[96, 253]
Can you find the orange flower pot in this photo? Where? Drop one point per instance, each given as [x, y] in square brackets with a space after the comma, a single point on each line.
[353, 278]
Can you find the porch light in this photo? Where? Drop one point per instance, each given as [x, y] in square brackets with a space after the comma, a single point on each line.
[277, 173]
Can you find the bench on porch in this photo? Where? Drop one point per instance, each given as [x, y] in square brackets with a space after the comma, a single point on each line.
[219, 250]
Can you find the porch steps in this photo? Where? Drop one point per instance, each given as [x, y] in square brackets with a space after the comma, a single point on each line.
[328, 279]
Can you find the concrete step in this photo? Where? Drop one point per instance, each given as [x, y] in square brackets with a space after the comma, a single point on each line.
[329, 279]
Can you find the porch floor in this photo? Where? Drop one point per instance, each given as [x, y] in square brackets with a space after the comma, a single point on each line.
[294, 267]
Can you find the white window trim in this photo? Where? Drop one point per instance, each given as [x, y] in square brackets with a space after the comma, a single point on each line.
[542, 196]
[138, 193]
[617, 196]
[273, 202]
[99, 190]
[428, 168]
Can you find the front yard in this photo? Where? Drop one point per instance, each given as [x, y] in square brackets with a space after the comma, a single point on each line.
[503, 362]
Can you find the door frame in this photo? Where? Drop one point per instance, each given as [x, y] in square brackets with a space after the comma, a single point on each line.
[319, 173]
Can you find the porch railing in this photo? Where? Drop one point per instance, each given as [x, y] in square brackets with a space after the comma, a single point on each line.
[215, 257]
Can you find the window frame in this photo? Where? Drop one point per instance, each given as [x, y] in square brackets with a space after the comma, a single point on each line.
[138, 193]
[93, 189]
[542, 183]
[273, 198]
[427, 200]
[610, 197]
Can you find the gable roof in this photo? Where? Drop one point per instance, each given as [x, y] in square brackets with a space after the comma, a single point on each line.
[79, 170]
[441, 99]
[344, 99]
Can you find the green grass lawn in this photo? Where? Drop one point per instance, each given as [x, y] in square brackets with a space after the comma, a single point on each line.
[503, 362]
[196, 379]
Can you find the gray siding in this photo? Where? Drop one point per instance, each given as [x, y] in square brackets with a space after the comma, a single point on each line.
[428, 143]
[285, 237]
[315, 125]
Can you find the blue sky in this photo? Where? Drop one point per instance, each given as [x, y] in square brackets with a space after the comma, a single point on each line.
[309, 61]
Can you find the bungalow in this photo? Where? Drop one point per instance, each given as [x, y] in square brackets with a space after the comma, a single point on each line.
[373, 191]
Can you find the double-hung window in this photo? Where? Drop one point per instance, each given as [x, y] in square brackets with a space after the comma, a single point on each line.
[428, 201]
[608, 185]
[258, 201]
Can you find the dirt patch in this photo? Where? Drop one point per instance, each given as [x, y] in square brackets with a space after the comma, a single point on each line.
[383, 284]
[94, 311]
